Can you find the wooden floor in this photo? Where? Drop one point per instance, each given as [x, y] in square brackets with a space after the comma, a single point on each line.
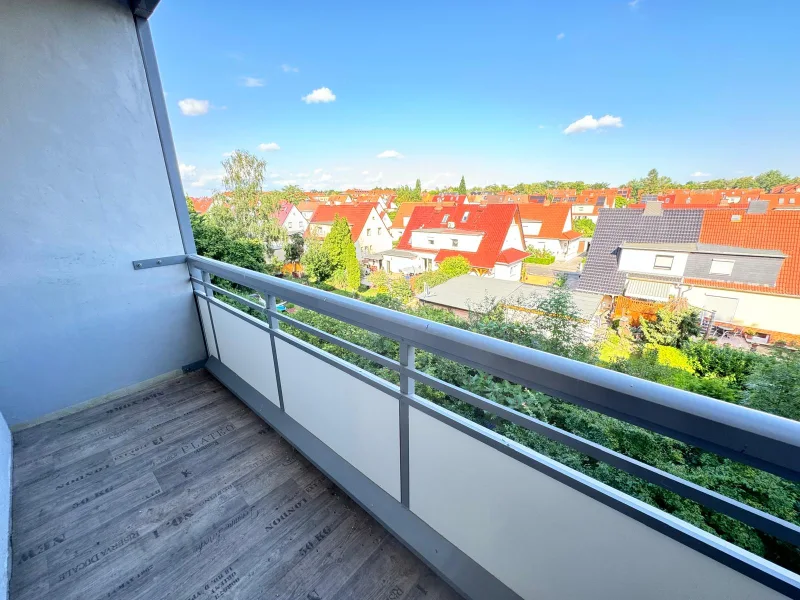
[180, 491]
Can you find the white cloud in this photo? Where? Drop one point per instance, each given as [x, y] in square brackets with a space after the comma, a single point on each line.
[273, 175]
[286, 181]
[365, 172]
[589, 123]
[252, 82]
[289, 69]
[375, 178]
[320, 95]
[193, 108]
[205, 179]
[634, 4]
[700, 174]
[390, 154]
[317, 171]
[542, 126]
[187, 171]
[560, 36]
[271, 147]
[227, 154]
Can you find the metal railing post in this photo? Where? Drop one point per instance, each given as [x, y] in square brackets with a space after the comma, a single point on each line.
[275, 324]
[407, 390]
[210, 294]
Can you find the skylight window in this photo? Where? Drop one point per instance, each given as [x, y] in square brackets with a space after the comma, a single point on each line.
[465, 216]
[445, 218]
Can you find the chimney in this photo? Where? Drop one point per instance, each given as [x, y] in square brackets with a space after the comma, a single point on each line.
[652, 209]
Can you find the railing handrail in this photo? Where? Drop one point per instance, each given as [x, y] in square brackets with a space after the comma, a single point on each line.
[743, 434]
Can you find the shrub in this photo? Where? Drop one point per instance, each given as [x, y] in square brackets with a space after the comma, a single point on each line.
[584, 226]
[723, 362]
[670, 357]
[540, 256]
[675, 324]
[455, 266]
[614, 348]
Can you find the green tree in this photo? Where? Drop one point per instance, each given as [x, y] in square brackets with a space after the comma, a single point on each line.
[213, 242]
[652, 183]
[244, 210]
[293, 251]
[418, 190]
[454, 266]
[770, 179]
[405, 194]
[675, 325]
[622, 202]
[462, 187]
[352, 269]
[316, 261]
[338, 241]
[292, 194]
[584, 226]
[774, 385]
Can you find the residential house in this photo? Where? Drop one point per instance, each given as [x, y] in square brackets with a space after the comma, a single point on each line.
[201, 205]
[307, 209]
[787, 188]
[489, 237]
[741, 265]
[340, 199]
[550, 228]
[445, 198]
[369, 232]
[782, 200]
[403, 215]
[291, 219]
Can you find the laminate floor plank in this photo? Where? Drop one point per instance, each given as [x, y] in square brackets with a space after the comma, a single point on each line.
[179, 491]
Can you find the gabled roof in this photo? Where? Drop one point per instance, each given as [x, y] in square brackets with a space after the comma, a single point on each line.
[356, 215]
[782, 200]
[457, 198]
[283, 211]
[554, 219]
[405, 210]
[614, 226]
[201, 205]
[775, 230]
[786, 188]
[493, 220]
[309, 206]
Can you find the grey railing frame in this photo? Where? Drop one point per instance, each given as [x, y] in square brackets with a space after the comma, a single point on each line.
[765, 441]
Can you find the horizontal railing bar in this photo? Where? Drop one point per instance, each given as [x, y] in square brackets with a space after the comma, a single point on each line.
[231, 295]
[788, 532]
[235, 312]
[749, 436]
[368, 354]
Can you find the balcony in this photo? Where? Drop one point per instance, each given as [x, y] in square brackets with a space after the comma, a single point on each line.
[175, 435]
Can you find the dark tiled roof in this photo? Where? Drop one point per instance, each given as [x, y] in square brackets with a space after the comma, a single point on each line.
[616, 226]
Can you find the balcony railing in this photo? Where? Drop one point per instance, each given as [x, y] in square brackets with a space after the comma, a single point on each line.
[493, 517]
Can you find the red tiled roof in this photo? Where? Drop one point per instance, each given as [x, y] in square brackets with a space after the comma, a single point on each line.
[493, 220]
[201, 205]
[512, 255]
[554, 218]
[774, 230]
[356, 215]
[283, 211]
[306, 206]
[457, 198]
[788, 188]
[791, 200]
[641, 205]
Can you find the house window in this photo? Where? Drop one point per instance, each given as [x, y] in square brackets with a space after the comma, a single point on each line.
[464, 217]
[791, 200]
[454, 242]
[663, 262]
[430, 241]
[379, 231]
[445, 218]
[780, 200]
[369, 232]
[721, 267]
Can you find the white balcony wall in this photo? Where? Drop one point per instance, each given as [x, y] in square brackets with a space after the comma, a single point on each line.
[555, 542]
[84, 193]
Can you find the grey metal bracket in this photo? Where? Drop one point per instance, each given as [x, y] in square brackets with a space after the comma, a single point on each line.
[149, 263]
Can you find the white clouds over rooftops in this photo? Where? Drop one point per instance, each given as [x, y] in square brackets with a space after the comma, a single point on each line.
[589, 123]
[271, 147]
[390, 154]
[192, 107]
[321, 95]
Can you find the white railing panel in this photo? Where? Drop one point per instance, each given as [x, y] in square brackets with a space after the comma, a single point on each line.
[544, 539]
[354, 419]
[247, 351]
[208, 330]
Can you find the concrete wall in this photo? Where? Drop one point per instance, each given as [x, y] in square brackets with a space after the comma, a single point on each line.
[84, 193]
[6, 449]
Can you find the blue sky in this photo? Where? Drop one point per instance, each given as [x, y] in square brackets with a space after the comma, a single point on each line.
[486, 90]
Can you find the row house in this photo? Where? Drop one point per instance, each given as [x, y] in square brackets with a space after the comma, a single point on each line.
[370, 234]
[550, 228]
[291, 219]
[741, 265]
[490, 237]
